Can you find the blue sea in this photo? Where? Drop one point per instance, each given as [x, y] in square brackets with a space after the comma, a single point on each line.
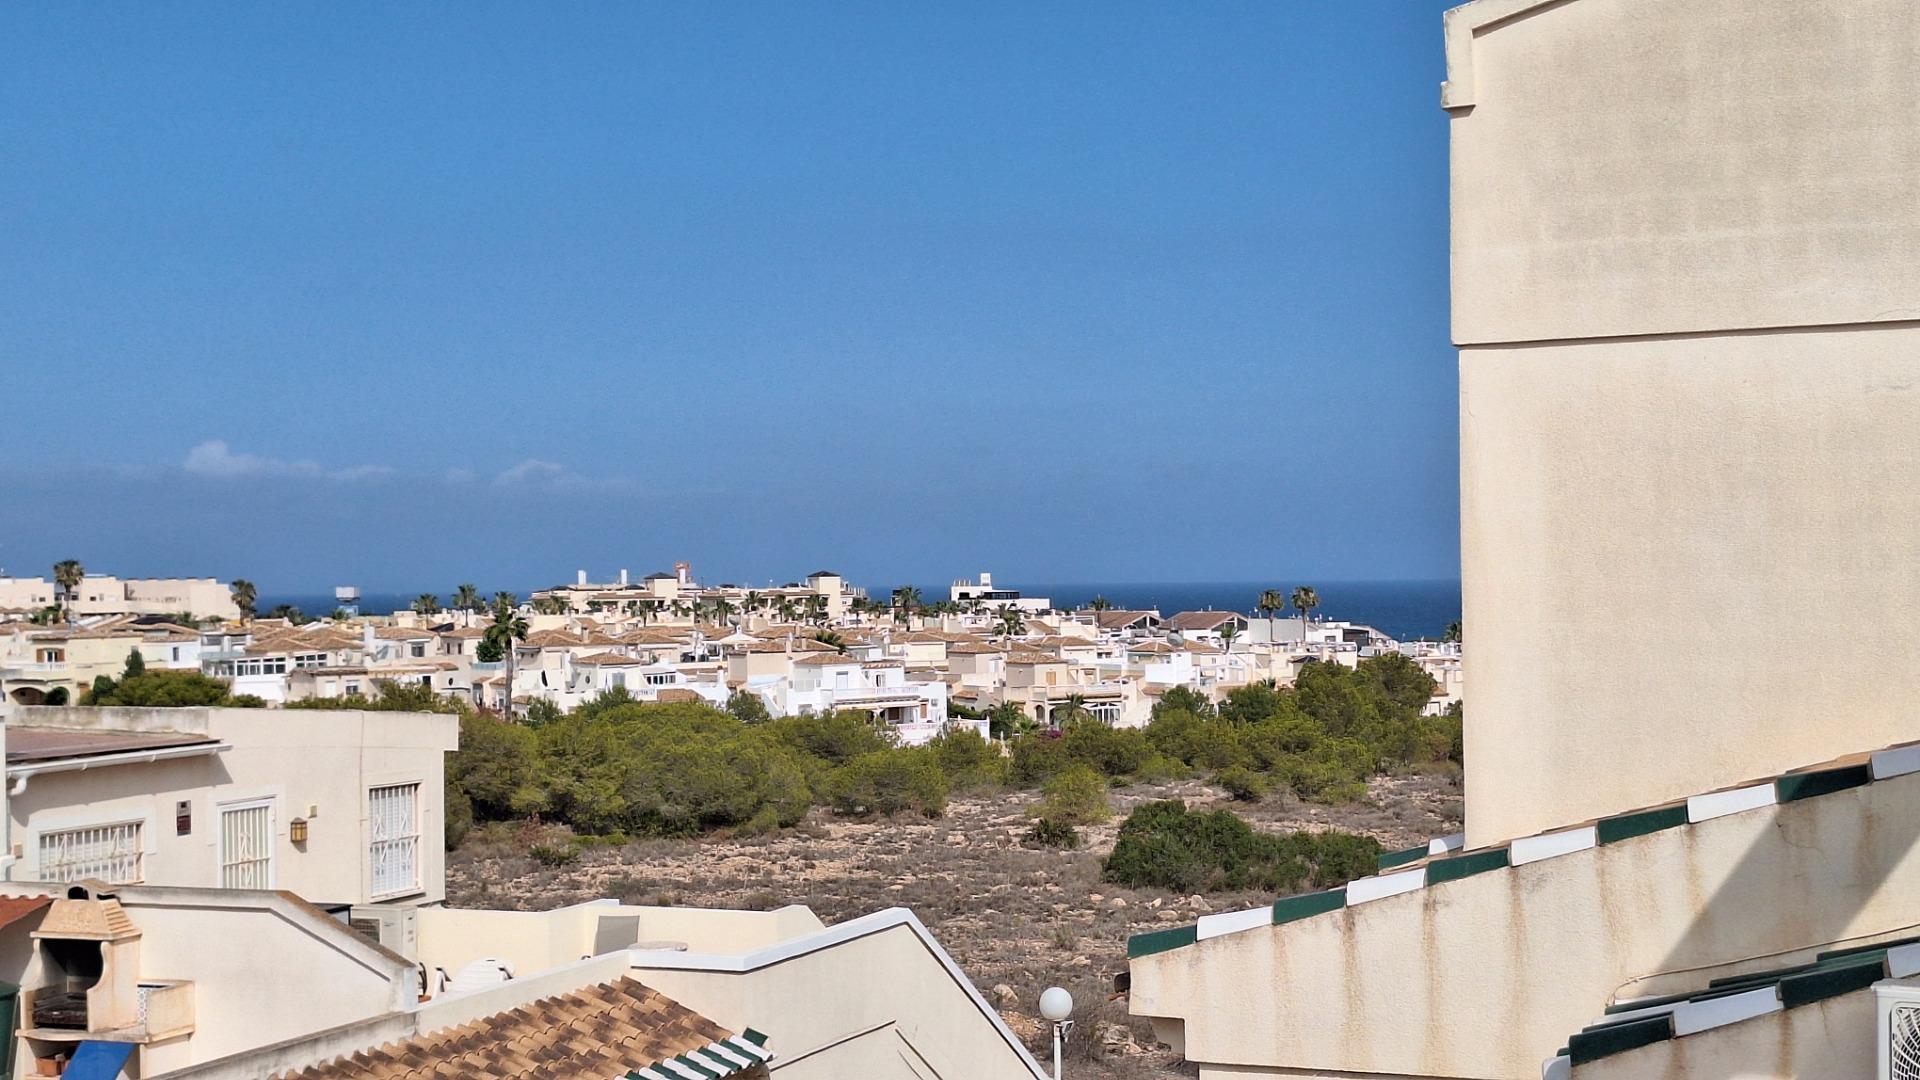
[1403, 609]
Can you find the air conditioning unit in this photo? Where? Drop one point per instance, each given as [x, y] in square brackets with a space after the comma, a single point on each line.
[1898, 1003]
[395, 927]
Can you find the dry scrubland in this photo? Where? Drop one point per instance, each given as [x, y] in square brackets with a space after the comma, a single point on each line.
[1016, 918]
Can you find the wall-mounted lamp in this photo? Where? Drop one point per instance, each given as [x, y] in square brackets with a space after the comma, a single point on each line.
[297, 830]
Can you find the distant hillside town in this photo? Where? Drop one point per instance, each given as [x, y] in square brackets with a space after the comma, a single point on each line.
[815, 646]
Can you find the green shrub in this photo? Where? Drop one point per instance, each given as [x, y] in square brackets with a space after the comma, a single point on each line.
[888, 782]
[158, 689]
[1201, 741]
[1163, 844]
[1035, 757]
[1052, 833]
[1076, 795]
[1242, 783]
[552, 854]
[836, 737]
[747, 708]
[969, 762]
[1113, 751]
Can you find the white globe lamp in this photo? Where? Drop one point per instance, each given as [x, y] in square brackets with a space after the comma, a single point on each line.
[1056, 1005]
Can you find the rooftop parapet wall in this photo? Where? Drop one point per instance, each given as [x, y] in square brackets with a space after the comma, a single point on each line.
[1484, 967]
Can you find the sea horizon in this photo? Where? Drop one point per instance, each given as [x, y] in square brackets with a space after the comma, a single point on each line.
[1402, 608]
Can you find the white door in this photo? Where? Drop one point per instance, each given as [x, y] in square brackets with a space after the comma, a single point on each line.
[246, 845]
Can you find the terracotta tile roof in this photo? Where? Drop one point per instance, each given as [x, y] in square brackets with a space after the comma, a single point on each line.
[607, 658]
[607, 1030]
[975, 648]
[1034, 658]
[15, 908]
[1120, 620]
[826, 659]
[1201, 620]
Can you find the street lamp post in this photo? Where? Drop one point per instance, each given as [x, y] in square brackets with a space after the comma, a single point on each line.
[1056, 1005]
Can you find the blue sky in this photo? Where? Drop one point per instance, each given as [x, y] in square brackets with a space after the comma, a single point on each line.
[405, 295]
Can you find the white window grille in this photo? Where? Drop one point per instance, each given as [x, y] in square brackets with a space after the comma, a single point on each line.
[246, 846]
[393, 845]
[108, 852]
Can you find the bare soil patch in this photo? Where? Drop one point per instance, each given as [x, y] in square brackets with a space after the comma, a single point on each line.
[1016, 919]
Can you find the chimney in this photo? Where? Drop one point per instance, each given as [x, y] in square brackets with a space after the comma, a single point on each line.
[580, 578]
[623, 579]
[366, 640]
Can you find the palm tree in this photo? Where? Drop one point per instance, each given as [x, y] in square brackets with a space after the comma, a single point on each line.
[245, 596]
[753, 601]
[1012, 622]
[828, 637]
[786, 609]
[1304, 601]
[905, 599]
[68, 574]
[817, 608]
[1227, 634]
[1099, 603]
[505, 598]
[466, 598]
[1455, 632]
[426, 604]
[1270, 602]
[509, 627]
[722, 609]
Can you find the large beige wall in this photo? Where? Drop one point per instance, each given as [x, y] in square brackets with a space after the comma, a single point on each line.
[1688, 518]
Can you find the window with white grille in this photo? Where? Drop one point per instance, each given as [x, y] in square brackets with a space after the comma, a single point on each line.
[393, 845]
[108, 852]
[246, 845]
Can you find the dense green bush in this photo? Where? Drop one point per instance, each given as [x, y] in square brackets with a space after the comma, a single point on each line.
[165, 689]
[969, 762]
[888, 782]
[1047, 832]
[1320, 739]
[1163, 844]
[1076, 795]
[1242, 783]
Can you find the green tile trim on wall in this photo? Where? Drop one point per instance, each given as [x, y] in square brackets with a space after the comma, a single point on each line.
[1831, 981]
[1466, 865]
[1596, 1043]
[1628, 826]
[1806, 785]
[1391, 859]
[1159, 941]
[1316, 903]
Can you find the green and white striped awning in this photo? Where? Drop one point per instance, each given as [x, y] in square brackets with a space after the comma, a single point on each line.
[729, 1057]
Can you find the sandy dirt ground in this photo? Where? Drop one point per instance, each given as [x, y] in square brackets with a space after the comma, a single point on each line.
[1017, 919]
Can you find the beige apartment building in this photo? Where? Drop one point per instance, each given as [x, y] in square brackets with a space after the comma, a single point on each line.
[1686, 293]
[342, 807]
[98, 595]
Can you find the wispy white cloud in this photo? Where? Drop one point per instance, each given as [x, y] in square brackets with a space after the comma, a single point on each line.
[533, 470]
[215, 458]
